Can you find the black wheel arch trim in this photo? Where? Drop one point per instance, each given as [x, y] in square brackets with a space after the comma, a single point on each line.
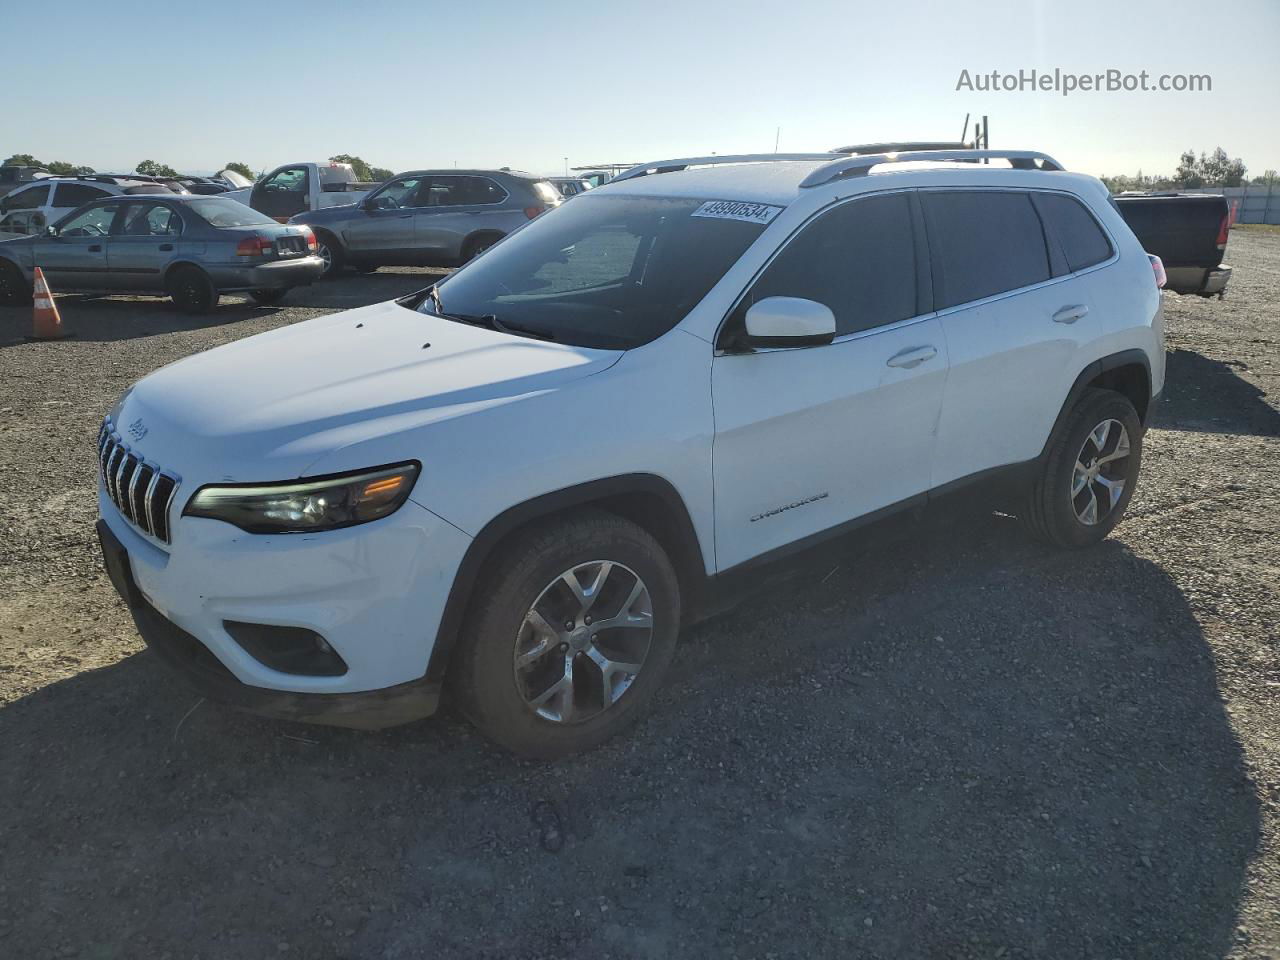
[1125, 358]
[591, 493]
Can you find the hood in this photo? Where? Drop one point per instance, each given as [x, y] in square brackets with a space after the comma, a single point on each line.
[269, 407]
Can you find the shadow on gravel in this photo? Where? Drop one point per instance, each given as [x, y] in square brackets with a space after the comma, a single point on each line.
[946, 744]
[1210, 396]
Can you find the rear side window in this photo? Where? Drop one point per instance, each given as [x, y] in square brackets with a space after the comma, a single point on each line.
[859, 259]
[26, 199]
[983, 242]
[1067, 219]
[76, 194]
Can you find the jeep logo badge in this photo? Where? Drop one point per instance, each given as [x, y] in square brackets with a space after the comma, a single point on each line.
[137, 429]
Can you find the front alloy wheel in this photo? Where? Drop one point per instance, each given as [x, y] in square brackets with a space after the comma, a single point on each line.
[584, 641]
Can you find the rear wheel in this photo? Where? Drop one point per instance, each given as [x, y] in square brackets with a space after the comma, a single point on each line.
[330, 251]
[192, 290]
[478, 245]
[267, 298]
[569, 635]
[14, 286]
[1090, 473]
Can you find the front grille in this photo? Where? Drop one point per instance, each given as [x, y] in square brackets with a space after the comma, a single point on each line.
[142, 491]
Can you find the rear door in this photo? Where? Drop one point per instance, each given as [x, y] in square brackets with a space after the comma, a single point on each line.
[141, 245]
[283, 194]
[76, 257]
[810, 438]
[1013, 323]
[454, 208]
[385, 233]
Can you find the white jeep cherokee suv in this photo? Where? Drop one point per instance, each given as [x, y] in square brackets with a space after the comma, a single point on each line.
[520, 482]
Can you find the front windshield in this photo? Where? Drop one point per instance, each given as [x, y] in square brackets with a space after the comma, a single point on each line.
[604, 271]
[221, 212]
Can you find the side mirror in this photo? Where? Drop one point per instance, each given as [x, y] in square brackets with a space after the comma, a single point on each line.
[789, 322]
[368, 204]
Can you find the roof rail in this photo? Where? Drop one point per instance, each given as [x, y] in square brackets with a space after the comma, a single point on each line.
[671, 166]
[859, 166]
[863, 149]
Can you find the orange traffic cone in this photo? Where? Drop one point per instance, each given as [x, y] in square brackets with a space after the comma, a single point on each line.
[46, 322]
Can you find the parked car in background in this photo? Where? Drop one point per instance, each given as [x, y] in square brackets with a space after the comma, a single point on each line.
[204, 186]
[429, 217]
[749, 356]
[570, 186]
[1188, 232]
[233, 180]
[187, 247]
[15, 175]
[31, 208]
[298, 187]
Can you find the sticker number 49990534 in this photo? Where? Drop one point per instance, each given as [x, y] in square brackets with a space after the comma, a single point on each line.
[738, 210]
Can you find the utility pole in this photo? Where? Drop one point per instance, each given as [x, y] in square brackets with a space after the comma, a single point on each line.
[776, 137]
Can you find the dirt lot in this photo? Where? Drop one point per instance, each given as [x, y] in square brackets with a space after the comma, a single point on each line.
[938, 741]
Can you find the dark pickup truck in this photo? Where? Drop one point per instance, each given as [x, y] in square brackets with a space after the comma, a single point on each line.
[1188, 232]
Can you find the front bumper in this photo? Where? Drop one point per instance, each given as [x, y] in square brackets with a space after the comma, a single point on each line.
[276, 275]
[375, 593]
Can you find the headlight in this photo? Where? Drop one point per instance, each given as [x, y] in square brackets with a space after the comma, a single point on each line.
[303, 506]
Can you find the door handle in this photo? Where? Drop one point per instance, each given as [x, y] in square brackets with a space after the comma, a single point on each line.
[405, 216]
[1071, 314]
[912, 357]
[95, 248]
[166, 247]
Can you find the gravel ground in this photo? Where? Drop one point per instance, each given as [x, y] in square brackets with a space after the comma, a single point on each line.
[937, 740]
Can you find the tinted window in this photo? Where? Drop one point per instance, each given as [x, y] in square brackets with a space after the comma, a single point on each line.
[76, 194]
[983, 243]
[26, 199]
[858, 259]
[482, 190]
[94, 222]
[151, 220]
[604, 271]
[221, 212]
[1083, 241]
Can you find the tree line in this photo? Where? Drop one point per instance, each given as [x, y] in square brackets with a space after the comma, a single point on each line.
[151, 168]
[1217, 169]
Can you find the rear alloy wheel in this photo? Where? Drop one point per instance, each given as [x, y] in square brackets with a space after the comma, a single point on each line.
[1090, 473]
[328, 250]
[14, 287]
[192, 290]
[267, 298]
[569, 635]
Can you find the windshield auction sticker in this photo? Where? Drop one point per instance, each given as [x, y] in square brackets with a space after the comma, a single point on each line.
[737, 210]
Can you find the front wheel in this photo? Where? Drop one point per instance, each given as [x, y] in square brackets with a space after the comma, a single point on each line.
[569, 635]
[192, 290]
[267, 298]
[1090, 473]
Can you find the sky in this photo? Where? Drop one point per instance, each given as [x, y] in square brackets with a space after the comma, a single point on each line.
[408, 85]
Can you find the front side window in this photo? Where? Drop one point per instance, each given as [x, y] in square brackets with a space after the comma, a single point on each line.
[76, 194]
[859, 259]
[151, 220]
[288, 180]
[983, 242]
[605, 271]
[1083, 241]
[26, 199]
[398, 194]
[94, 222]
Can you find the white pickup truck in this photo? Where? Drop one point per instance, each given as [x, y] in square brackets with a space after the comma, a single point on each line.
[297, 187]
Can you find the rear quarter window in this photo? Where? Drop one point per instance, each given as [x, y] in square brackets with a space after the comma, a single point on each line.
[1084, 243]
[983, 242]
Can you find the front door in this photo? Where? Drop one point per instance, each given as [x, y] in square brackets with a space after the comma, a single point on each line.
[284, 194]
[811, 438]
[142, 245]
[382, 230]
[75, 258]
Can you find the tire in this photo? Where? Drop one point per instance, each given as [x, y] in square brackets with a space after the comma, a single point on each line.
[330, 251]
[552, 703]
[191, 290]
[1052, 513]
[266, 298]
[478, 245]
[15, 289]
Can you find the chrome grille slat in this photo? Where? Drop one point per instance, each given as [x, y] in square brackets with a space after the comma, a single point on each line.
[142, 491]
